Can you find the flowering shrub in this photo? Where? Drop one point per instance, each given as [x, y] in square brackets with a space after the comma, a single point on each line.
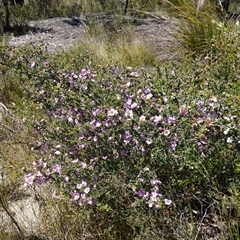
[110, 133]
[122, 139]
[115, 121]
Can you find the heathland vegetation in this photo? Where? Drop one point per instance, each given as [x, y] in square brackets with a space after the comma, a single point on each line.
[117, 144]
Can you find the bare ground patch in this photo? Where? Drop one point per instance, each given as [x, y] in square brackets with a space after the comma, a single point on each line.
[61, 33]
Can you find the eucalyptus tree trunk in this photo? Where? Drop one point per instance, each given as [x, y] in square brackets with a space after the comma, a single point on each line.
[126, 7]
[1, 32]
[1, 22]
[6, 21]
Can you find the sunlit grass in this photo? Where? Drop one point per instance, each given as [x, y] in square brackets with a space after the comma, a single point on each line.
[121, 47]
[197, 27]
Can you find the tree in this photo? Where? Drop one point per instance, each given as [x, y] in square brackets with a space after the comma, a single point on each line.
[5, 24]
[126, 7]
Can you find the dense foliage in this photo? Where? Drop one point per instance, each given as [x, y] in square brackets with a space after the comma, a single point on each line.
[123, 142]
[129, 153]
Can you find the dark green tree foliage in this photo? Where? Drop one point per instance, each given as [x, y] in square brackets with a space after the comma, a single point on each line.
[5, 21]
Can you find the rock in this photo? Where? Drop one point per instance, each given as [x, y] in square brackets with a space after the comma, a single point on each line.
[62, 33]
[55, 33]
[26, 213]
[3, 110]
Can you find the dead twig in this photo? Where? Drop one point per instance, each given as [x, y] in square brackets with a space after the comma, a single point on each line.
[202, 219]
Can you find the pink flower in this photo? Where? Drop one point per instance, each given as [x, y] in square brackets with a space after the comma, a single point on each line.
[84, 72]
[67, 179]
[134, 74]
[81, 185]
[127, 137]
[129, 114]
[97, 124]
[149, 141]
[56, 168]
[70, 119]
[183, 111]
[57, 152]
[173, 145]
[141, 193]
[142, 118]
[167, 201]
[29, 178]
[33, 64]
[134, 105]
[157, 119]
[75, 195]
[166, 132]
[149, 96]
[171, 120]
[155, 181]
[150, 204]
[87, 190]
[89, 201]
[112, 112]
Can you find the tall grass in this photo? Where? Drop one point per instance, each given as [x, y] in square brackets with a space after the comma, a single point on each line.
[198, 27]
[119, 45]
